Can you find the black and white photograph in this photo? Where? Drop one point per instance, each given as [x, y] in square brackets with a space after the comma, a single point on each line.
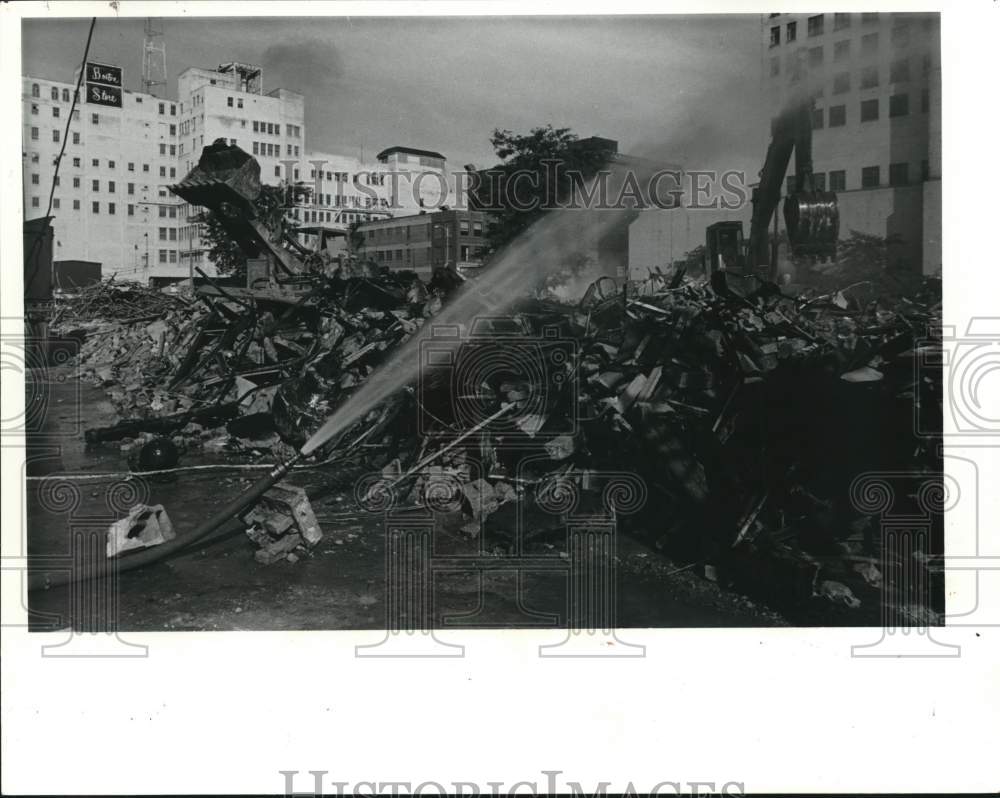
[427, 324]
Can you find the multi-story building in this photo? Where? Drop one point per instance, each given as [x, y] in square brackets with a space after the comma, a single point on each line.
[875, 79]
[110, 204]
[425, 241]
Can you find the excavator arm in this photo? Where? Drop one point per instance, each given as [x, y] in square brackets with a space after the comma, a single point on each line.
[811, 217]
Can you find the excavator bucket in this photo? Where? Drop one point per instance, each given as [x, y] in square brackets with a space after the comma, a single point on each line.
[813, 223]
[224, 175]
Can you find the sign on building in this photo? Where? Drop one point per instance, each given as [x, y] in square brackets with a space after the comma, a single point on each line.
[104, 85]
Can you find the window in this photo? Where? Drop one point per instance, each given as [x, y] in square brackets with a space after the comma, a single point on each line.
[899, 71]
[76, 205]
[94, 162]
[56, 180]
[145, 167]
[838, 115]
[34, 109]
[239, 102]
[775, 35]
[173, 147]
[791, 31]
[899, 174]
[76, 138]
[901, 35]
[55, 94]
[34, 180]
[76, 182]
[477, 229]
[163, 256]
[869, 44]
[95, 207]
[869, 77]
[173, 110]
[34, 90]
[162, 109]
[173, 171]
[172, 212]
[899, 105]
[76, 162]
[95, 185]
[130, 188]
[131, 166]
[814, 25]
[111, 164]
[163, 149]
[229, 101]
[870, 177]
[55, 111]
[111, 186]
[256, 126]
[173, 233]
[34, 134]
[163, 234]
[173, 256]
[111, 208]
[163, 212]
[255, 148]
[131, 210]
[163, 171]
[463, 226]
[841, 21]
[869, 110]
[34, 202]
[925, 101]
[817, 118]
[841, 82]
[34, 157]
[55, 202]
[277, 170]
[95, 119]
[842, 50]
[815, 56]
[55, 136]
[173, 130]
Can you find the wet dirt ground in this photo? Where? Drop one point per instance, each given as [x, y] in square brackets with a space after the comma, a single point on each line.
[342, 584]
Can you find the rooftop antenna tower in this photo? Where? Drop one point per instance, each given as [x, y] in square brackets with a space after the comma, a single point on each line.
[154, 59]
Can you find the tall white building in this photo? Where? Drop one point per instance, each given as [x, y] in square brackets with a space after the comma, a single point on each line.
[110, 203]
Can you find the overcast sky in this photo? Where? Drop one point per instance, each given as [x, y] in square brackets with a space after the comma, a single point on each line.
[684, 88]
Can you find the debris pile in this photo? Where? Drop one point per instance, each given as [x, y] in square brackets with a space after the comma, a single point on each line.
[744, 418]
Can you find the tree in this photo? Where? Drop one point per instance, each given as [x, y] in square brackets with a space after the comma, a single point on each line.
[547, 161]
[227, 255]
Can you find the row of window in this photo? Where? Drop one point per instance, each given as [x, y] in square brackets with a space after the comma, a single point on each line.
[95, 185]
[816, 26]
[327, 216]
[899, 105]
[871, 177]
[272, 150]
[274, 128]
[56, 93]
[55, 111]
[95, 207]
[899, 70]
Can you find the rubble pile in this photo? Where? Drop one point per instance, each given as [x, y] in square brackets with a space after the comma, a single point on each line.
[744, 417]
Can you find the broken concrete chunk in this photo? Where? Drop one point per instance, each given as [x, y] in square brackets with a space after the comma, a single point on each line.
[144, 526]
